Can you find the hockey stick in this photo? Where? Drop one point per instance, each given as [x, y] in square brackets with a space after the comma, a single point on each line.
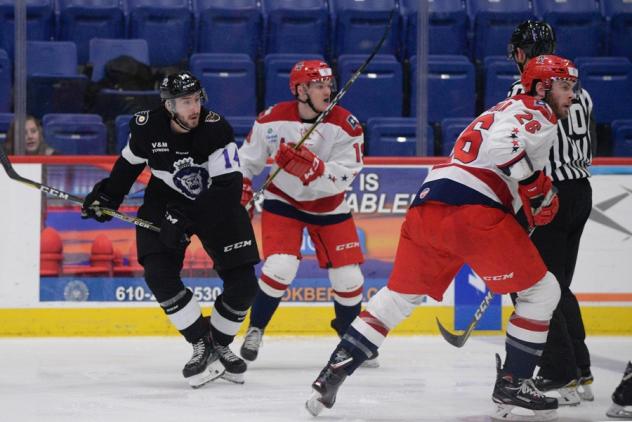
[56, 193]
[460, 339]
[330, 107]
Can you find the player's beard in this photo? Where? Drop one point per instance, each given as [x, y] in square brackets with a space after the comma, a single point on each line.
[189, 123]
[561, 112]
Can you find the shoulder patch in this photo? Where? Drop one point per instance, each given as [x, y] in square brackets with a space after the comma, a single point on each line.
[212, 117]
[353, 122]
[142, 117]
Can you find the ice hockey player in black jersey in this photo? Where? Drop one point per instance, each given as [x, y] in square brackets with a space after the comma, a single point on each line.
[195, 188]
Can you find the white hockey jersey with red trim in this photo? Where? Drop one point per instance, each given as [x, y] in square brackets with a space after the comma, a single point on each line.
[518, 128]
[337, 141]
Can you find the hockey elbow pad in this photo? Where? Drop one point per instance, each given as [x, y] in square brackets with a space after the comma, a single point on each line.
[539, 199]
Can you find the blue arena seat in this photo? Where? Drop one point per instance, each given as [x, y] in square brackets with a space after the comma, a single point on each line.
[500, 74]
[451, 87]
[359, 25]
[451, 128]
[5, 82]
[39, 22]
[5, 124]
[102, 50]
[75, 134]
[395, 136]
[167, 27]
[448, 25]
[622, 138]
[378, 92]
[493, 22]
[296, 27]
[579, 27]
[609, 82]
[229, 80]
[277, 69]
[121, 128]
[228, 26]
[241, 126]
[53, 84]
[618, 14]
[110, 103]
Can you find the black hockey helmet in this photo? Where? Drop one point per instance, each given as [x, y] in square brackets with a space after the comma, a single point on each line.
[534, 37]
[179, 85]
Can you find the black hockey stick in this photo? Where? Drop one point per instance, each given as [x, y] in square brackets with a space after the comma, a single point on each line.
[56, 193]
[330, 107]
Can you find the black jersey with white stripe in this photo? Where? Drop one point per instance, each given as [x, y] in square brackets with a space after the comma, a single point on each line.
[571, 154]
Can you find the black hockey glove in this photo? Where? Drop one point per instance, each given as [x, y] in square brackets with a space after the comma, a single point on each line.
[175, 228]
[98, 198]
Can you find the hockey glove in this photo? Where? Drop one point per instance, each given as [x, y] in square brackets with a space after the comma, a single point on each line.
[246, 196]
[539, 199]
[175, 228]
[300, 162]
[99, 198]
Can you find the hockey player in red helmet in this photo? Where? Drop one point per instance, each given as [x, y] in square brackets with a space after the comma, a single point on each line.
[464, 213]
[308, 193]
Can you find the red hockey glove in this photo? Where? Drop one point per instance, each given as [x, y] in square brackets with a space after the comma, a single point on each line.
[247, 195]
[300, 162]
[539, 199]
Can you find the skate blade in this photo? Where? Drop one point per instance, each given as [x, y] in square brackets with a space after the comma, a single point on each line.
[212, 372]
[370, 363]
[313, 404]
[585, 393]
[233, 377]
[506, 412]
[617, 411]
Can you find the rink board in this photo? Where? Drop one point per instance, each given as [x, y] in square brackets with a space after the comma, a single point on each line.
[77, 304]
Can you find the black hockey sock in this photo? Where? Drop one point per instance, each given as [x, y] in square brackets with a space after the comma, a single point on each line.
[344, 317]
[522, 357]
[358, 346]
[263, 309]
[225, 321]
[180, 309]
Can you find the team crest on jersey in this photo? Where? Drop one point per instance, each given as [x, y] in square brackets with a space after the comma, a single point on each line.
[212, 117]
[142, 117]
[190, 178]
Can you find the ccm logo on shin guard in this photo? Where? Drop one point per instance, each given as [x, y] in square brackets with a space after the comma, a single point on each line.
[349, 245]
[500, 277]
[237, 245]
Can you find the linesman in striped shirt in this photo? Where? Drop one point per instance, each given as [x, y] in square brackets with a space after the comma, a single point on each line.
[565, 362]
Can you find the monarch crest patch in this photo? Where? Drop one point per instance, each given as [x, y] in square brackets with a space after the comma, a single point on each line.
[142, 117]
[212, 117]
[190, 178]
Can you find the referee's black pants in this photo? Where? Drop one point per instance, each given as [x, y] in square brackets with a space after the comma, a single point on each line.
[565, 354]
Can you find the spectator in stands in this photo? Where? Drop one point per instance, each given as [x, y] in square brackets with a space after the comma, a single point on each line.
[34, 143]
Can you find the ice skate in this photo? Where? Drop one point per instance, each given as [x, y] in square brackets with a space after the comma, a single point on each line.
[234, 365]
[584, 388]
[520, 400]
[204, 365]
[621, 406]
[567, 391]
[252, 342]
[329, 380]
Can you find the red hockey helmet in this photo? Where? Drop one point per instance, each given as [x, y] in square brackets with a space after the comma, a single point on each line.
[309, 71]
[546, 69]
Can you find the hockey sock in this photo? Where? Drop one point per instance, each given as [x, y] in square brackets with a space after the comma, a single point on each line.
[263, 309]
[524, 344]
[344, 316]
[358, 346]
[225, 321]
[185, 314]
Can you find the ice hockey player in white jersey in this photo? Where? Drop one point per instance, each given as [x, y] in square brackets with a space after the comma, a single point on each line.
[464, 213]
[308, 192]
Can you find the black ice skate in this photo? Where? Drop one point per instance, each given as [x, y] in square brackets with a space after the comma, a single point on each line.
[204, 365]
[252, 342]
[234, 365]
[567, 390]
[510, 393]
[622, 397]
[329, 380]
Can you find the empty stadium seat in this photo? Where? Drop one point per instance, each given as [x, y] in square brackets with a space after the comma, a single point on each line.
[167, 27]
[121, 128]
[296, 27]
[395, 136]
[500, 74]
[609, 82]
[622, 138]
[241, 126]
[102, 50]
[229, 80]
[75, 134]
[618, 15]
[39, 22]
[447, 27]
[277, 69]
[378, 92]
[451, 128]
[451, 87]
[5, 124]
[358, 26]
[579, 27]
[53, 84]
[80, 21]
[228, 26]
[5, 82]
[493, 22]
